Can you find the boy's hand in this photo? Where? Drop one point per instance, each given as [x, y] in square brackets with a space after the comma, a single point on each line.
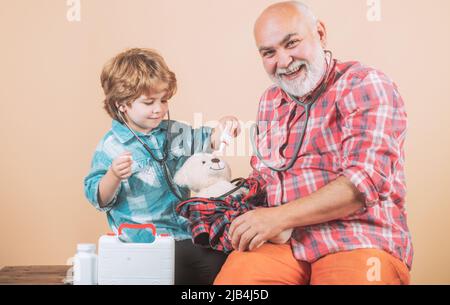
[230, 124]
[121, 166]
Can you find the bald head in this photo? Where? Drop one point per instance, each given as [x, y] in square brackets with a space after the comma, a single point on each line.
[291, 42]
[291, 11]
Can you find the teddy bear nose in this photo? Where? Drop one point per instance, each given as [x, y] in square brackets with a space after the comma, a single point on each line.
[215, 160]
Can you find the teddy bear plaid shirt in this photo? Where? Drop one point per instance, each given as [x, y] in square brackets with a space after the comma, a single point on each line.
[210, 219]
[357, 130]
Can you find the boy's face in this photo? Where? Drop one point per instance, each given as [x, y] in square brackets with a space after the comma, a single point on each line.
[147, 112]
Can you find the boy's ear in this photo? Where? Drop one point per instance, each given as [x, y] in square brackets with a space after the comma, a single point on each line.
[121, 108]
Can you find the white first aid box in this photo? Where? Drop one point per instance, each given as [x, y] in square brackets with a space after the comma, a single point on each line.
[122, 263]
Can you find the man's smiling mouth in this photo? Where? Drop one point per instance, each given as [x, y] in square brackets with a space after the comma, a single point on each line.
[294, 73]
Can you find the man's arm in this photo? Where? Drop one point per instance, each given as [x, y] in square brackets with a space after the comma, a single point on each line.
[336, 200]
[373, 131]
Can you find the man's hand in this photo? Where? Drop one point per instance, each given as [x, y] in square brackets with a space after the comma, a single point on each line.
[254, 228]
[230, 124]
[338, 199]
[121, 166]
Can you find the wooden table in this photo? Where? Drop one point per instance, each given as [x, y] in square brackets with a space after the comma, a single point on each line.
[33, 275]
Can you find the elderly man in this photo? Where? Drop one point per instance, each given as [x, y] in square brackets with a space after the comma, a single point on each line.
[330, 149]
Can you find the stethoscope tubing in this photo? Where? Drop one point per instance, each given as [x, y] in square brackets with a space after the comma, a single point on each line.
[307, 107]
[165, 154]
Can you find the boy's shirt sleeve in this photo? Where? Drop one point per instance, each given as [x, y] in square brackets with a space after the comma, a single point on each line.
[100, 165]
[187, 140]
[202, 139]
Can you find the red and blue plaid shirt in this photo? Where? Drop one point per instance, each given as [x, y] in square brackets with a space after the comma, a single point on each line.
[357, 130]
[210, 219]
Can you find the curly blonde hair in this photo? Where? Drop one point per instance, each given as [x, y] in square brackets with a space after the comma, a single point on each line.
[133, 73]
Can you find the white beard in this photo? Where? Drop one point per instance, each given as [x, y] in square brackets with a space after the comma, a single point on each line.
[303, 85]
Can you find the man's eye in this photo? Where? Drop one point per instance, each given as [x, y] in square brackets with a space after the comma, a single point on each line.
[268, 54]
[164, 101]
[292, 43]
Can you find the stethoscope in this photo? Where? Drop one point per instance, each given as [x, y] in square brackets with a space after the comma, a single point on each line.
[239, 182]
[165, 153]
[307, 107]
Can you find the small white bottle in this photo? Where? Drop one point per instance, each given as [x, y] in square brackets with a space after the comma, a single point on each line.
[85, 265]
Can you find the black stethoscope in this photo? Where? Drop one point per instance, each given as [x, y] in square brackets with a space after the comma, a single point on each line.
[239, 182]
[165, 153]
[307, 107]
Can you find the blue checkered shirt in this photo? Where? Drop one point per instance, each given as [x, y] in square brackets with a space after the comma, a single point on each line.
[145, 197]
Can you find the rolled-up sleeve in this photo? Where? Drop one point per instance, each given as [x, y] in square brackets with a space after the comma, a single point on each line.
[100, 165]
[374, 124]
[186, 140]
[202, 139]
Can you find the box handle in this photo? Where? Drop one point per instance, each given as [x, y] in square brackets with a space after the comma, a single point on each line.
[137, 226]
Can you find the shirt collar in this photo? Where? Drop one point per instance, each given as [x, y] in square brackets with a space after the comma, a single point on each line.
[124, 134]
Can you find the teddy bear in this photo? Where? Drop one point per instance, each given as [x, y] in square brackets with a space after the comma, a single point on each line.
[208, 176]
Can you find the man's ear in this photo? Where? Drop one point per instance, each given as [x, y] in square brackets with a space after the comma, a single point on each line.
[322, 32]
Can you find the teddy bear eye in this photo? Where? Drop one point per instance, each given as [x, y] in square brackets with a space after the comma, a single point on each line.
[203, 162]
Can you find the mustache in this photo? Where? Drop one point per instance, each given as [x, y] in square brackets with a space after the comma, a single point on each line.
[292, 67]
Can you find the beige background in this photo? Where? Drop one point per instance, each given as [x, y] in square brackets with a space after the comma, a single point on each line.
[52, 117]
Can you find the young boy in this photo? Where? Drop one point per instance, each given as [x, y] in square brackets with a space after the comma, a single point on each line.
[126, 180]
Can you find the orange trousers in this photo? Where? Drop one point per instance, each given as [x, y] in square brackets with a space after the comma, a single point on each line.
[275, 265]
